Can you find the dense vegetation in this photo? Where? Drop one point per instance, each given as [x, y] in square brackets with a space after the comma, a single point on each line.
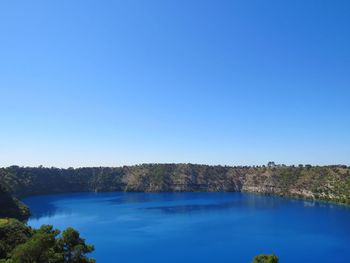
[10, 206]
[22, 244]
[265, 259]
[312, 182]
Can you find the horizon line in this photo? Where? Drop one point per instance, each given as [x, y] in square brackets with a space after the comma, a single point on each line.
[272, 165]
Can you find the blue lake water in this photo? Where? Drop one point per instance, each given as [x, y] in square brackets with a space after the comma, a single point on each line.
[199, 227]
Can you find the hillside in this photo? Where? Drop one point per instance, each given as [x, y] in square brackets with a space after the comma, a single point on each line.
[10, 206]
[310, 182]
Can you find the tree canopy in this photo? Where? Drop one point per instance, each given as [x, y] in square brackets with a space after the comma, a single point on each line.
[43, 245]
[265, 259]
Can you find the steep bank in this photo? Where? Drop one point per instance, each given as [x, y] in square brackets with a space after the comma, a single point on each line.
[311, 182]
[11, 207]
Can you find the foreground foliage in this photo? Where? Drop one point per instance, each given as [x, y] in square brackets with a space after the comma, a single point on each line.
[265, 259]
[12, 233]
[21, 244]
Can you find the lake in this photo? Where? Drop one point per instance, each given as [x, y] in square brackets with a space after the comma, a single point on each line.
[199, 227]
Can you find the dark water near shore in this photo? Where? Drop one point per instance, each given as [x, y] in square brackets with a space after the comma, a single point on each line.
[199, 227]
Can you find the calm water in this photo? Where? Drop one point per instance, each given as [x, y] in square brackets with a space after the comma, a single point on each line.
[199, 227]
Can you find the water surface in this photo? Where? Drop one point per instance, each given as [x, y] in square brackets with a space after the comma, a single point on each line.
[199, 227]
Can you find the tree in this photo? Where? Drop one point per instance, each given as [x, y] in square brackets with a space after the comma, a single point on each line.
[265, 259]
[44, 245]
[271, 164]
[40, 248]
[12, 233]
[74, 248]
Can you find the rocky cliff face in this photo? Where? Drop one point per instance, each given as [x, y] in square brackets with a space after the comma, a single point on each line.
[327, 182]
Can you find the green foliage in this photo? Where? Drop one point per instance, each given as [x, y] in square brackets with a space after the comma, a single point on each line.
[10, 206]
[12, 233]
[73, 247]
[40, 248]
[265, 259]
[20, 244]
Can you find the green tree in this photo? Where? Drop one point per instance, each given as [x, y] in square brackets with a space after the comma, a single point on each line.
[44, 245]
[40, 248]
[12, 233]
[265, 259]
[74, 248]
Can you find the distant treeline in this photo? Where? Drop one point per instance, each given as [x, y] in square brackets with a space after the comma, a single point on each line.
[303, 181]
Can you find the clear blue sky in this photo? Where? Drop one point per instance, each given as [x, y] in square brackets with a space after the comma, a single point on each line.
[90, 83]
